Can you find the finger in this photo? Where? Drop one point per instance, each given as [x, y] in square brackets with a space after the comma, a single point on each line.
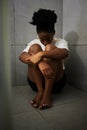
[44, 73]
[49, 73]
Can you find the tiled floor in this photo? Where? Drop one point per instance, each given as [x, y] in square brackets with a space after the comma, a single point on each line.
[69, 111]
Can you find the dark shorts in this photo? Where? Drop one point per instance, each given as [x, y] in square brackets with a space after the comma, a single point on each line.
[58, 86]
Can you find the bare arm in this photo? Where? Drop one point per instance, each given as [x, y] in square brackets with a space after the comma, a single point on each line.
[45, 69]
[24, 56]
[56, 53]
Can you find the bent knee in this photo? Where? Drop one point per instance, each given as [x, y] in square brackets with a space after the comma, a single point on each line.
[35, 48]
[49, 47]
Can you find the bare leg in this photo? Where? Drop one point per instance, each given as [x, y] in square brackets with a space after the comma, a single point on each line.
[46, 101]
[43, 98]
[38, 80]
[36, 76]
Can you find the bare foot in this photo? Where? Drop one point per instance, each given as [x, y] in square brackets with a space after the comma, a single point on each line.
[46, 101]
[36, 101]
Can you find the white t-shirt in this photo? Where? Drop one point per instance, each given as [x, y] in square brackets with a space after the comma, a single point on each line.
[59, 43]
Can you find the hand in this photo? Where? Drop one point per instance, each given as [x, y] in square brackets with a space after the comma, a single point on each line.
[35, 58]
[45, 69]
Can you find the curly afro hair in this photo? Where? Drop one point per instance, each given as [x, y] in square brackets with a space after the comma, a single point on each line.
[44, 20]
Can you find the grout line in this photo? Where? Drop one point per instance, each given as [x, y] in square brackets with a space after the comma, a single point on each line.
[18, 113]
[69, 44]
[42, 115]
[18, 44]
[47, 121]
[84, 44]
[70, 102]
[78, 98]
[13, 4]
[80, 89]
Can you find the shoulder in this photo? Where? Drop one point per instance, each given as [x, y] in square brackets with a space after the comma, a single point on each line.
[60, 40]
[33, 41]
[61, 43]
[36, 41]
[29, 44]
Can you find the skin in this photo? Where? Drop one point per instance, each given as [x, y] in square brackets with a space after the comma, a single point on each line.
[44, 68]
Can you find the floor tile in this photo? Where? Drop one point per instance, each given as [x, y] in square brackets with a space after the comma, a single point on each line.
[69, 94]
[30, 121]
[69, 110]
[72, 116]
[26, 91]
[19, 103]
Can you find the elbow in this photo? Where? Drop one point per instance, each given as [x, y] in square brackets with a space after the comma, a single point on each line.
[20, 57]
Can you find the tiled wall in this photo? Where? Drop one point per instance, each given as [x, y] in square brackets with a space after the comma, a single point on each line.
[22, 32]
[72, 27]
[75, 31]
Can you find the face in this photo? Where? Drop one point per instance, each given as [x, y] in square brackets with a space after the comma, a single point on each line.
[45, 37]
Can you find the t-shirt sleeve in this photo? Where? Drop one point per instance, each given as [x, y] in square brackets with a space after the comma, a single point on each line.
[62, 44]
[27, 47]
[30, 44]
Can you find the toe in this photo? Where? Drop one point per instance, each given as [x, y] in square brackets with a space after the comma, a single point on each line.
[36, 105]
[32, 101]
[41, 107]
[44, 106]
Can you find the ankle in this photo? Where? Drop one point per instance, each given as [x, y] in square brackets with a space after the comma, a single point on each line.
[47, 94]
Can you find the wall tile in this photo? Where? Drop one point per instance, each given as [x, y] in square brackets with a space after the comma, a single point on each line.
[75, 32]
[75, 19]
[76, 66]
[21, 68]
[13, 65]
[21, 12]
[12, 21]
[24, 32]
